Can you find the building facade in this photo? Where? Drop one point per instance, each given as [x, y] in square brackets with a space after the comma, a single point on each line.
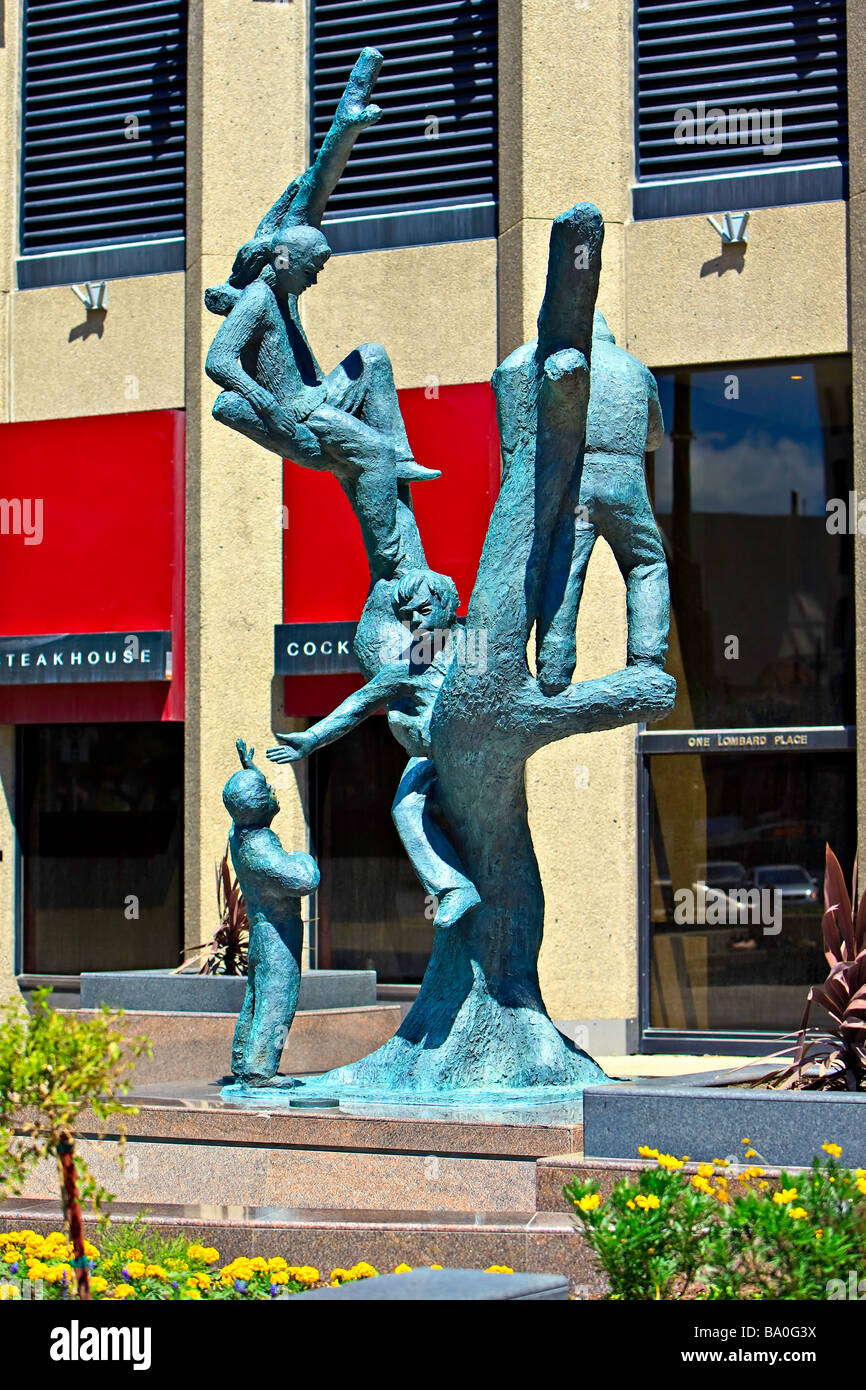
[202, 590]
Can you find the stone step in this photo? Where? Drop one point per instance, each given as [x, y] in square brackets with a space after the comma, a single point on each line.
[527, 1241]
[182, 1146]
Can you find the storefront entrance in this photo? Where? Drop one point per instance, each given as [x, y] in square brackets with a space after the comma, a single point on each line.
[100, 834]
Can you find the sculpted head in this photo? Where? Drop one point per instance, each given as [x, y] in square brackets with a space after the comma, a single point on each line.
[290, 259]
[427, 601]
[249, 800]
[600, 331]
[297, 254]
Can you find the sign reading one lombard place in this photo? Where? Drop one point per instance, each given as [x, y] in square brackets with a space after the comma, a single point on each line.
[314, 649]
[828, 738]
[64, 658]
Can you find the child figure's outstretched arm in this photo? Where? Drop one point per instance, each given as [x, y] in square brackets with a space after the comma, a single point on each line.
[391, 682]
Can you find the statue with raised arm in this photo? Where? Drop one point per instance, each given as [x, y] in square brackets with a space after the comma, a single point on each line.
[273, 882]
[575, 414]
[407, 686]
[346, 421]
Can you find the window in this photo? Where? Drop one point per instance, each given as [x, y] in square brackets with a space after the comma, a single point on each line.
[100, 828]
[427, 171]
[754, 771]
[739, 104]
[103, 139]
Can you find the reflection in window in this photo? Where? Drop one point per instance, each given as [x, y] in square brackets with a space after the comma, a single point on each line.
[751, 825]
[101, 834]
[761, 591]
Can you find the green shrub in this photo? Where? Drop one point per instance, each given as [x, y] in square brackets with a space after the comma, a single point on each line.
[707, 1235]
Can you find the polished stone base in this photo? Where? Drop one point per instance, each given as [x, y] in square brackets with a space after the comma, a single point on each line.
[151, 991]
[186, 1144]
[787, 1128]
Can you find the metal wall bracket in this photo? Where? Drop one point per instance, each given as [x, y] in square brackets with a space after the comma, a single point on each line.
[93, 295]
[733, 228]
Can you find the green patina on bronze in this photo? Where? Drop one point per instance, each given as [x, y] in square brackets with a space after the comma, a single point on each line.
[576, 414]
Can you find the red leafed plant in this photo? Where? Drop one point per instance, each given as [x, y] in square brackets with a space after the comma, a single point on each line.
[835, 1058]
[228, 948]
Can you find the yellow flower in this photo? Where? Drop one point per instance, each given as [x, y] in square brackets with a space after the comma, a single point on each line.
[135, 1269]
[819, 1234]
[190, 1295]
[124, 1291]
[590, 1201]
[277, 1263]
[305, 1274]
[279, 1276]
[155, 1272]
[763, 1184]
[630, 1204]
[860, 1172]
[258, 1265]
[498, 1269]
[832, 1149]
[797, 1213]
[91, 1251]
[721, 1162]
[745, 1141]
[133, 1254]
[861, 1186]
[650, 1203]
[668, 1162]
[751, 1153]
[198, 1281]
[702, 1185]
[705, 1170]
[785, 1196]
[98, 1284]
[365, 1271]
[646, 1152]
[435, 1266]
[339, 1276]
[403, 1269]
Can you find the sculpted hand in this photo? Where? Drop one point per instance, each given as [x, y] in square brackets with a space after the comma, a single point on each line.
[293, 747]
[355, 108]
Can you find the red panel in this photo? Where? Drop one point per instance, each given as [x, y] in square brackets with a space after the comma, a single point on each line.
[325, 574]
[111, 553]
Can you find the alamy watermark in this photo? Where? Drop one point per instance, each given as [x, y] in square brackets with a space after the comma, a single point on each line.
[716, 907]
[713, 125]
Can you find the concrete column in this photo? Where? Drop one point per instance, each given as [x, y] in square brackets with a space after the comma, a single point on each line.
[566, 137]
[247, 138]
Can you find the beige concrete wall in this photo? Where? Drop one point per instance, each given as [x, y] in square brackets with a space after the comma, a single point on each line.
[65, 362]
[247, 128]
[788, 298]
[433, 307]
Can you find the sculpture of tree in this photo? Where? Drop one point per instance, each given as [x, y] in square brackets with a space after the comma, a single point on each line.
[479, 1023]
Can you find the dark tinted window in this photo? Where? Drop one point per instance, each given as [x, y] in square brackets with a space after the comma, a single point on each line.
[761, 579]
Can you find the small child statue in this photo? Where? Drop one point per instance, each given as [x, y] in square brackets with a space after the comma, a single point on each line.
[273, 883]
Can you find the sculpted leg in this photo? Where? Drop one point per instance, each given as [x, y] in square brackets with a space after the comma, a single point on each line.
[363, 385]
[277, 984]
[432, 854]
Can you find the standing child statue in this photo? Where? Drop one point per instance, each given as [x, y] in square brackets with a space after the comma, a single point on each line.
[273, 882]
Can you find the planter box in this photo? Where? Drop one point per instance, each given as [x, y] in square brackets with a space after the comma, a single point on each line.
[160, 991]
[785, 1127]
